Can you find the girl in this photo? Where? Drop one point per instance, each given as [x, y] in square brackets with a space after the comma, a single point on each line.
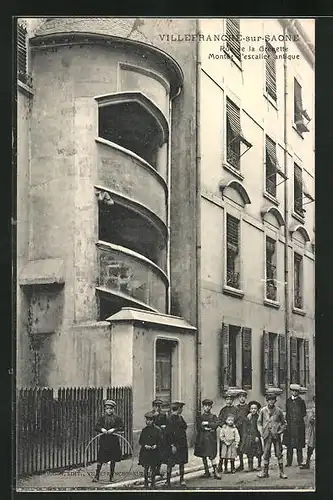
[229, 441]
[251, 443]
[150, 441]
[206, 440]
[109, 446]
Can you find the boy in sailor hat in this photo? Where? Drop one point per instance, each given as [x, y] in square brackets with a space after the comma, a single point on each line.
[109, 446]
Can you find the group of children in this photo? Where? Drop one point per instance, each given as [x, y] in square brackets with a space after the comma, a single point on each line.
[240, 429]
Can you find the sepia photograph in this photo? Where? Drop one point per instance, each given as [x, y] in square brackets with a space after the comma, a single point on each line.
[165, 254]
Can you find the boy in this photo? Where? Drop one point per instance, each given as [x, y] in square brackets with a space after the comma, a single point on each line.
[243, 411]
[206, 440]
[228, 409]
[109, 446]
[294, 437]
[271, 424]
[150, 441]
[176, 442]
[160, 419]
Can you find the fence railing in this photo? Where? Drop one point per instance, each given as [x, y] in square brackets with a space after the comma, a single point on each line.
[53, 432]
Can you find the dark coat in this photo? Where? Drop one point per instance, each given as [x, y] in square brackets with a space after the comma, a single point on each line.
[243, 411]
[225, 411]
[150, 435]
[109, 446]
[249, 445]
[160, 421]
[175, 434]
[294, 435]
[206, 439]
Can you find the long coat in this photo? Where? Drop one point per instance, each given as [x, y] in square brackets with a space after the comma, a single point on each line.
[151, 435]
[109, 446]
[160, 421]
[206, 439]
[175, 434]
[243, 411]
[251, 443]
[312, 429]
[294, 435]
[228, 410]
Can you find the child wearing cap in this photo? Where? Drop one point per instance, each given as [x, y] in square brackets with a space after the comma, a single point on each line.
[160, 420]
[176, 442]
[294, 436]
[206, 439]
[109, 446]
[150, 442]
[271, 424]
[228, 409]
[229, 442]
[251, 443]
[243, 411]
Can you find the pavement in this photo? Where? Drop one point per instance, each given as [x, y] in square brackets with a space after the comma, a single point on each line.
[129, 475]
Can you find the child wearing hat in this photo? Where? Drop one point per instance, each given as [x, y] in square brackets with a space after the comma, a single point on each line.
[243, 411]
[228, 409]
[206, 439]
[229, 442]
[150, 442]
[294, 436]
[109, 447]
[271, 424]
[176, 442]
[160, 420]
[251, 443]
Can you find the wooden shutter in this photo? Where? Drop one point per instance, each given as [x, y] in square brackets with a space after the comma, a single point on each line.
[21, 50]
[306, 363]
[271, 151]
[270, 71]
[246, 358]
[293, 361]
[298, 189]
[265, 342]
[298, 106]
[233, 117]
[233, 36]
[282, 361]
[224, 357]
[232, 232]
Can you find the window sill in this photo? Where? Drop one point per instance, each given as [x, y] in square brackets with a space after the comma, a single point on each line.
[235, 292]
[271, 100]
[298, 311]
[297, 131]
[271, 198]
[272, 303]
[298, 217]
[233, 170]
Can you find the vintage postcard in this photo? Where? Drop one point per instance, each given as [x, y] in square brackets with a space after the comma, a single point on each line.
[165, 254]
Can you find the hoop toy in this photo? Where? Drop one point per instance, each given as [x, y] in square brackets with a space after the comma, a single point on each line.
[99, 435]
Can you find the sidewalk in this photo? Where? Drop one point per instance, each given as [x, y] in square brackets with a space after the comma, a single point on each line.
[128, 474]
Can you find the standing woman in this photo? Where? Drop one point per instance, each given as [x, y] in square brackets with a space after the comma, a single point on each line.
[206, 440]
[109, 446]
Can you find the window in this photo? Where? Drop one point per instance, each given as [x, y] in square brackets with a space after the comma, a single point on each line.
[163, 371]
[22, 53]
[270, 71]
[300, 114]
[272, 167]
[298, 190]
[233, 37]
[299, 361]
[274, 360]
[298, 281]
[233, 253]
[236, 357]
[271, 289]
[234, 135]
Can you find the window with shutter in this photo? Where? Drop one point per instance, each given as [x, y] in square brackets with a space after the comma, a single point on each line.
[298, 281]
[300, 362]
[224, 357]
[271, 166]
[233, 260]
[271, 71]
[22, 58]
[299, 112]
[306, 363]
[265, 360]
[233, 36]
[233, 134]
[293, 361]
[282, 361]
[246, 358]
[271, 289]
[163, 371]
[298, 190]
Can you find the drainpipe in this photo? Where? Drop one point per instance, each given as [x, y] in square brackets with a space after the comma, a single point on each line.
[198, 224]
[286, 231]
